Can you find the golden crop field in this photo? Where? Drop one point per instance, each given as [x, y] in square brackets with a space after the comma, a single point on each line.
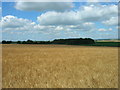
[59, 66]
[108, 40]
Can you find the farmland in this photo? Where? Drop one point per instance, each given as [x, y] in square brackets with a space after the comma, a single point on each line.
[59, 66]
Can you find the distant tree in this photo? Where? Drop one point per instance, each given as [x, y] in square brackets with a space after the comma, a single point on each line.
[9, 42]
[3, 42]
[6, 42]
[24, 42]
[19, 42]
[70, 41]
[29, 42]
[74, 41]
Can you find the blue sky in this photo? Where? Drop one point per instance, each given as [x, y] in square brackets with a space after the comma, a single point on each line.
[9, 9]
[48, 21]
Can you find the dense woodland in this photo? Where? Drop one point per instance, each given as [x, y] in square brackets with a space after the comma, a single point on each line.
[71, 41]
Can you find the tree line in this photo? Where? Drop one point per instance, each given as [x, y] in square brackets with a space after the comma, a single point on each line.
[71, 41]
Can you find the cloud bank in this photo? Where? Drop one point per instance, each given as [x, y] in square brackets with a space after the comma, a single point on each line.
[44, 6]
[61, 20]
[10, 22]
[89, 13]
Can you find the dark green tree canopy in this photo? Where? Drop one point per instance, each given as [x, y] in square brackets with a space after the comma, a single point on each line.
[71, 41]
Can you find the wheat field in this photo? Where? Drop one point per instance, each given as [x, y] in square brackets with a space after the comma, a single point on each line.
[59, 66]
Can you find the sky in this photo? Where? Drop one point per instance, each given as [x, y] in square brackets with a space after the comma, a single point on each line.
[54, 20]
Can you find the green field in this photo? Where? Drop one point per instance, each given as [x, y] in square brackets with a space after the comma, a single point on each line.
[110, 44]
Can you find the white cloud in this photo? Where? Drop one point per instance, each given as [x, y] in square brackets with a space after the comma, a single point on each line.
[58, 24]
[82, 19]
[58, 18]
[44, 6]
[112, 21]
[97, 12]
[44, 1]
[103, 29]
[51, 28]
[87, 26]
[110, 29]
[88, 13]
[59, 28]
[102, 1]
[13, 23]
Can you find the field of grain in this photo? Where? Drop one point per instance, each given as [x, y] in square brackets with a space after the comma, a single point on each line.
[108, 40]
[59, 66]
